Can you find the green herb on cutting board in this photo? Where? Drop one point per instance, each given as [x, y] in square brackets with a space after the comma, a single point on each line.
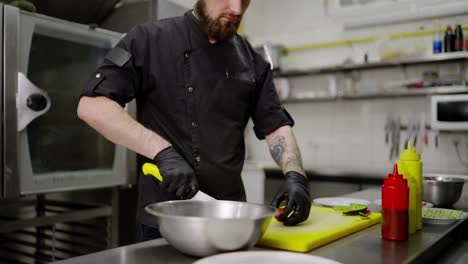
[353, 209]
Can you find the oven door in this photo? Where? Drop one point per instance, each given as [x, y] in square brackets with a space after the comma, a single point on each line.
[9, 65]
[55, 150]
[2, 174]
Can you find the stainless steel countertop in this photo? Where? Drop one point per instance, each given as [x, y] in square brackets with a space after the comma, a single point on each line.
[365, 246]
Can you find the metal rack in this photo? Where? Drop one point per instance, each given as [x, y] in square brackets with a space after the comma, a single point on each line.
[452, 56]
[40, 230]
[352, 69]
[403, 92]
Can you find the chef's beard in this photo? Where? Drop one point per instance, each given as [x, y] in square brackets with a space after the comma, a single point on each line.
[214, 27]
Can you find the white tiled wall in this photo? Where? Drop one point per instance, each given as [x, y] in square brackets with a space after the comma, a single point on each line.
[302, 22]
[347, 136]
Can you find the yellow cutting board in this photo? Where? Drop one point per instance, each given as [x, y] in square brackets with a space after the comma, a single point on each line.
[323, 226]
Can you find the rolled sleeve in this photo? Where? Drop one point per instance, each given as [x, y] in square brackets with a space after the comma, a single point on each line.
[119, 76]
[268, 114]
[271, 122]
[110, 81]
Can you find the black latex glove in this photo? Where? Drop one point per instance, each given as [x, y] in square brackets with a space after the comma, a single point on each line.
[177, 174]
[294, 192]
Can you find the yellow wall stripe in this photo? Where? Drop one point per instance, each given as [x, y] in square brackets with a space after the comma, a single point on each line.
[362, 40]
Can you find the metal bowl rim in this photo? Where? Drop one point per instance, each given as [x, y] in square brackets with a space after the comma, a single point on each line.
[149, 210]
[442, 179]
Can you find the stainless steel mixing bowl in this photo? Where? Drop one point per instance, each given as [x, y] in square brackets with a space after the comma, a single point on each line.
[202, 228]
[442, 191]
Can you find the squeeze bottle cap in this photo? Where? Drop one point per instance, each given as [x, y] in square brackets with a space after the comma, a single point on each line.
[395, 179]
[410, 153]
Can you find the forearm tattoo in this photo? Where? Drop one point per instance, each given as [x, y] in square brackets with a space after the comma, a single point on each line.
[295, 161]
[277, 149]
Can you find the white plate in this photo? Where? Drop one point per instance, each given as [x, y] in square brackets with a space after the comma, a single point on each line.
[257, 257]
[441, 221]
[336, 201]
[424, 204]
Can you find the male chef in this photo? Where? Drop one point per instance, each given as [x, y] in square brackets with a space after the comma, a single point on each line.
[196, 83]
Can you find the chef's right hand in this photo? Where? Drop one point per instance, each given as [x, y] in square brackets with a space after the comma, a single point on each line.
[179, 177]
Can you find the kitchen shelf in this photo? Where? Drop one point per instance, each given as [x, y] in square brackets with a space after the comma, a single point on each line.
[398, 93]
[453, 56]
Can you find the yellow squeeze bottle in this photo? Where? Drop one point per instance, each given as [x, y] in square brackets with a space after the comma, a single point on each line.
[410, 166]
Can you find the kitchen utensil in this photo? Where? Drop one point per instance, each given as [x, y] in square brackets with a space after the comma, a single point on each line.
[151, 169]
[339, 201]
[442, 191]
[392, 136]
[323, 226]
[440, 216]
[256, 257]
[202, 228]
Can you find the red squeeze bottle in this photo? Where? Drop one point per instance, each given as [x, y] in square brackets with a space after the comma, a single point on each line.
[395, 203]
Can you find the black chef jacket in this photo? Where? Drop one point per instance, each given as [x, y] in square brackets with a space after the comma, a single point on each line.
[197, 95]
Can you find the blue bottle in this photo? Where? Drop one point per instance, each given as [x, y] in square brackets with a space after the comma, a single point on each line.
[437, 43]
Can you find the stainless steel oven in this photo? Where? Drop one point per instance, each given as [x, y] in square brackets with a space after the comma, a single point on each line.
[45, 147]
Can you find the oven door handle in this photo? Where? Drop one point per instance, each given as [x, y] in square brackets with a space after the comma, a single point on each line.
[31, 101]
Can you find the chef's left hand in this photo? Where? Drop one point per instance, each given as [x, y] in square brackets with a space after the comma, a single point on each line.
[294, 191]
